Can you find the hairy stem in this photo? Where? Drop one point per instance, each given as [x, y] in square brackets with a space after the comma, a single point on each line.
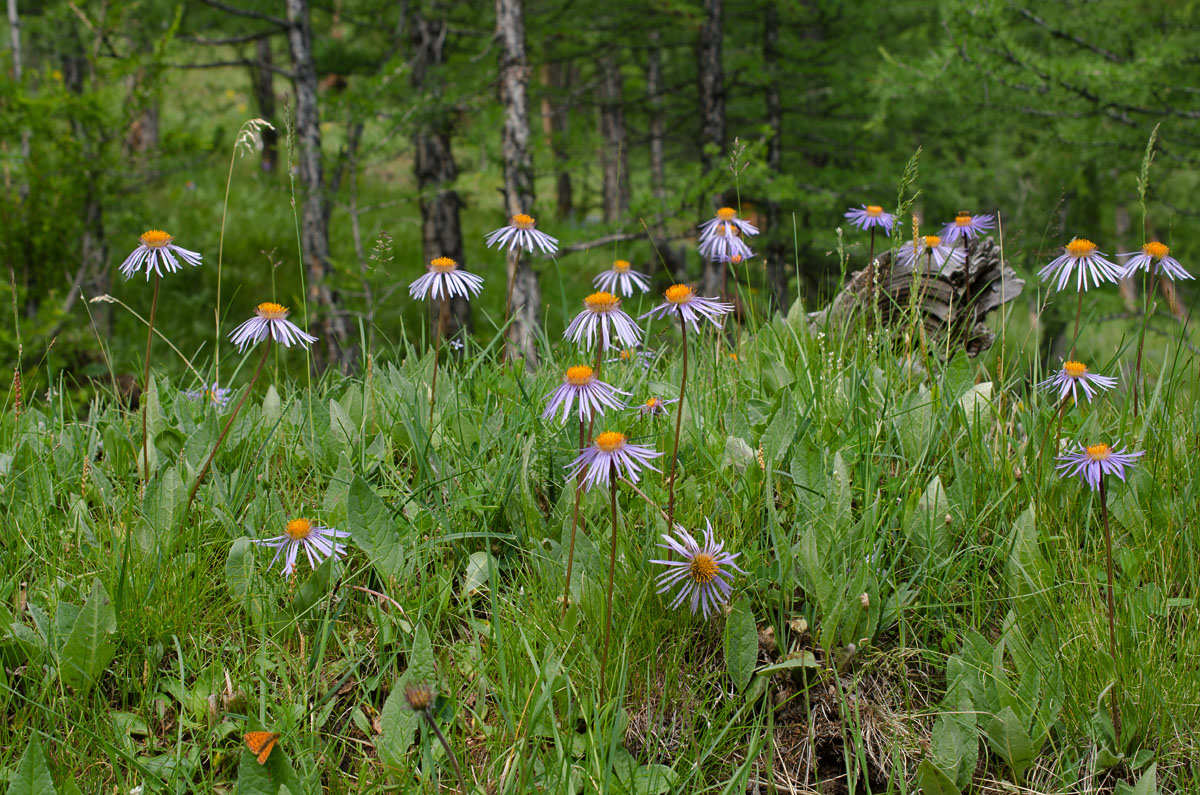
[437, 347]
[612, 565]
[462, 782]
[678, 423]
[1112, 611]
[225, 431]
[146, 381]
[1137, 377]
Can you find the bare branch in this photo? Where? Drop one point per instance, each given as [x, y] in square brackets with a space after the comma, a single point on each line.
[262, 34]
[245, 12]
[236, 62]
[1071, 37]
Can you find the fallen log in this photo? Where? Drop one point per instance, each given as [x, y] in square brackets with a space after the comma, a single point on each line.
[954, 305]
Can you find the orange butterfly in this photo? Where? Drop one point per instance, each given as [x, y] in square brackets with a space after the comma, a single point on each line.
[261, 743]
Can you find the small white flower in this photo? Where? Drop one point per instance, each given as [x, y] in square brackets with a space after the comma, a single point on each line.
[156, 250]
[270, 321]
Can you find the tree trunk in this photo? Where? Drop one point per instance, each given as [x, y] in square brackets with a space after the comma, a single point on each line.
[712, 112]
[557, 77]
[314, 231]
[614, 157]
[673, 258]
[14, 33]
[518, 175]
[775, 254]
[262, 82]
[434, 167]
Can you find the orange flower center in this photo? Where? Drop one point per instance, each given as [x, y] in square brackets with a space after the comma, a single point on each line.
[735, 259]
[579, 375]
[443, 265]
[652, 402]
[523, 221]
[620, 265]
[610, 441]
[932, 241]
[298, 529]
[703, 569]
[271, 310]
[679, 294]
[1081, 247]
[626, 354]
[1156, 249]
[874, 210]
[156, 238]
[1099, 452]
[726, 213]
[602, 302]
[1074, 369]
[962, 219]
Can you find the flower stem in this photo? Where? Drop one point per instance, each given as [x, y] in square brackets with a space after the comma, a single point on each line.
[612, 565]
[1112, 610]
[228, 424]
[574, 527]
[678, 423]
[512, 280]
[462, 782]
[437, 347]
[146, 381]
[1137, 378]
[1078, 312]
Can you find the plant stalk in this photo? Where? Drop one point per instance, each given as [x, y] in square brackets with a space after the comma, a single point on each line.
[612, 565]
[462, 782]
[225, 431]
[1137, 377]
[437, 347]
[1112, 611]
[678, 423]
[146, 381]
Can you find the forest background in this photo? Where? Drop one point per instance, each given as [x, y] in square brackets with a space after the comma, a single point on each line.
[389, 149]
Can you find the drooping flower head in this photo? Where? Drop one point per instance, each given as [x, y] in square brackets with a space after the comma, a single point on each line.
[724, 222]
[724, 244]
[1094, 461]
[445, 279]
[211, 393]
[1157, 258]
[681, 300]
[580, 383]
[630, 355]
[318, 543]
[611, 453]
[926, 245]
[603, 317]
[1075, 375]
[156, 250]
[270, 320]
[621, 275]
[654, 407]
[520, 233]
[869, 216]
[967, 226]
[705, 574]
[737, 259]
[1083, 258]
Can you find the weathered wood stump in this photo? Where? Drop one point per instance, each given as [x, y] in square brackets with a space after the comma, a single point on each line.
[953, 304]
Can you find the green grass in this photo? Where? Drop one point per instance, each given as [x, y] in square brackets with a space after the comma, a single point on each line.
[894, 476]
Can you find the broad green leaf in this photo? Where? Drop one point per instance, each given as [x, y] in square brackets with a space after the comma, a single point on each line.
[927, 528]
[805, 659]
[315, 588]
[88, 649]
[341, 427]
[33, 774]
[1023, 568]
[653, 780]
[253, 778]
[374, 530]
[976, 403]
[477, 573]
[737, 454]
[933, 781]
[272, 407]
[1007, 737]
[741, 644]
[239, 568]
[399, 723]
[779, 434]
[1148, 783]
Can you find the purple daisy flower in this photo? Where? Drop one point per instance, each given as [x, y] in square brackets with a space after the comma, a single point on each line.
[156, 250]
[706, 572]
[1075, 375]
[217, 395]
[1082, 255]
[682, 300]
[319, 543]
[602, 314]
[654, 407]
[926, 245]
[520, 233]
[621, 276]
[724, 222]
[967, 226]
[610, 453]
[627, 355]
[723, 245]
[444, 277]
[270, 321]
[1155, 258]
[1093, 462]
[871, 215]
[594, 395]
